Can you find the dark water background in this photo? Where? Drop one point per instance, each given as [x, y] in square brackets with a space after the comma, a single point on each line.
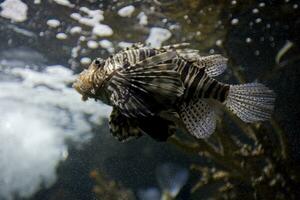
[202, 23]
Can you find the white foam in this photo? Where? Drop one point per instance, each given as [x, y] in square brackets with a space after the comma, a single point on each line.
[64, 3]
[15, 10]
[106, 44]
[37, 115]
[92, 44]
[75, 30]
[157, 36]
[102, 30]
[53, 23]
[126, 11]
[93, 18]
[61, 36]
[143, 19]
[85, 60]
[124, 45]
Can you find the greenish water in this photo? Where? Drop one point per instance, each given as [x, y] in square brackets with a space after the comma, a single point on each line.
[54, 146]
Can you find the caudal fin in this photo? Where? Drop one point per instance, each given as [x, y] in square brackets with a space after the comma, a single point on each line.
[251, 102]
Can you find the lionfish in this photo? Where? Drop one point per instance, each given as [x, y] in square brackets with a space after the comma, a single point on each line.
[155, 91]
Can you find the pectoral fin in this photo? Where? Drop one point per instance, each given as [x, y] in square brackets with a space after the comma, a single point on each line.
[141, 89]
[122, 127]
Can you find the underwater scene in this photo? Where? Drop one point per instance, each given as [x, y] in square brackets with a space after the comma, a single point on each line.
[58, 140]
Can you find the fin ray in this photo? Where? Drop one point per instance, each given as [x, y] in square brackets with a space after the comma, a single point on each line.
[251, 102]
[122, 127]
[146, 85]
[199, 118]
[214, 64]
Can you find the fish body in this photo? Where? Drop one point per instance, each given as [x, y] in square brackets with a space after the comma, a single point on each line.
[144, 85]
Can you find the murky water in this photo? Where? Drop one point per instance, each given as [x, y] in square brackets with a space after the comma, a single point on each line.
[54, 146]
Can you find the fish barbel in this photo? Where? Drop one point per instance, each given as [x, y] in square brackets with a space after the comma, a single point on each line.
[145, 86]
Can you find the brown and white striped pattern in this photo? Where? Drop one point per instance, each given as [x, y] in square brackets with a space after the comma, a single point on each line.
[196, 81]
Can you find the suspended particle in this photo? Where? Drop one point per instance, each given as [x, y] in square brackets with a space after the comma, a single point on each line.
[233, 2]
[234, 21]
[262, 4]
[258, 20]
[219, 43]
[248, 40]
[255, 11]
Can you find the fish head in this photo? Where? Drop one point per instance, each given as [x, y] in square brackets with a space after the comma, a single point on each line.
[90, 80]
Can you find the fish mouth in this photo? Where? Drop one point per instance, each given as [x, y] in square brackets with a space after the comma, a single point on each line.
[76, 86]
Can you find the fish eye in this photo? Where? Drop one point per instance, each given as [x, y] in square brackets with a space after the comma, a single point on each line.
[99, 62]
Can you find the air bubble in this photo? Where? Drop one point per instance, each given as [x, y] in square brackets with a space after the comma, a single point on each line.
[258, 20]
[61, 36]
[219, 42]
[75, 30]
[255, 11]
[92, 44]
[53, 23]
[85, 60]
[234, 21]
[248, 40]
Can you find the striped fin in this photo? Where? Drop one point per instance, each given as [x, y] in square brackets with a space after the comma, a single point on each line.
[138, 90]
[188, 54]
[199, 118]
[159, 58]
[131, 101]
[122, 127]
[251, 102]
[182, 51]
[214, 65]
[176, 46]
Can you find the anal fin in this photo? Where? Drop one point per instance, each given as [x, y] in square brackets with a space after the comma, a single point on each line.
[199, 118]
